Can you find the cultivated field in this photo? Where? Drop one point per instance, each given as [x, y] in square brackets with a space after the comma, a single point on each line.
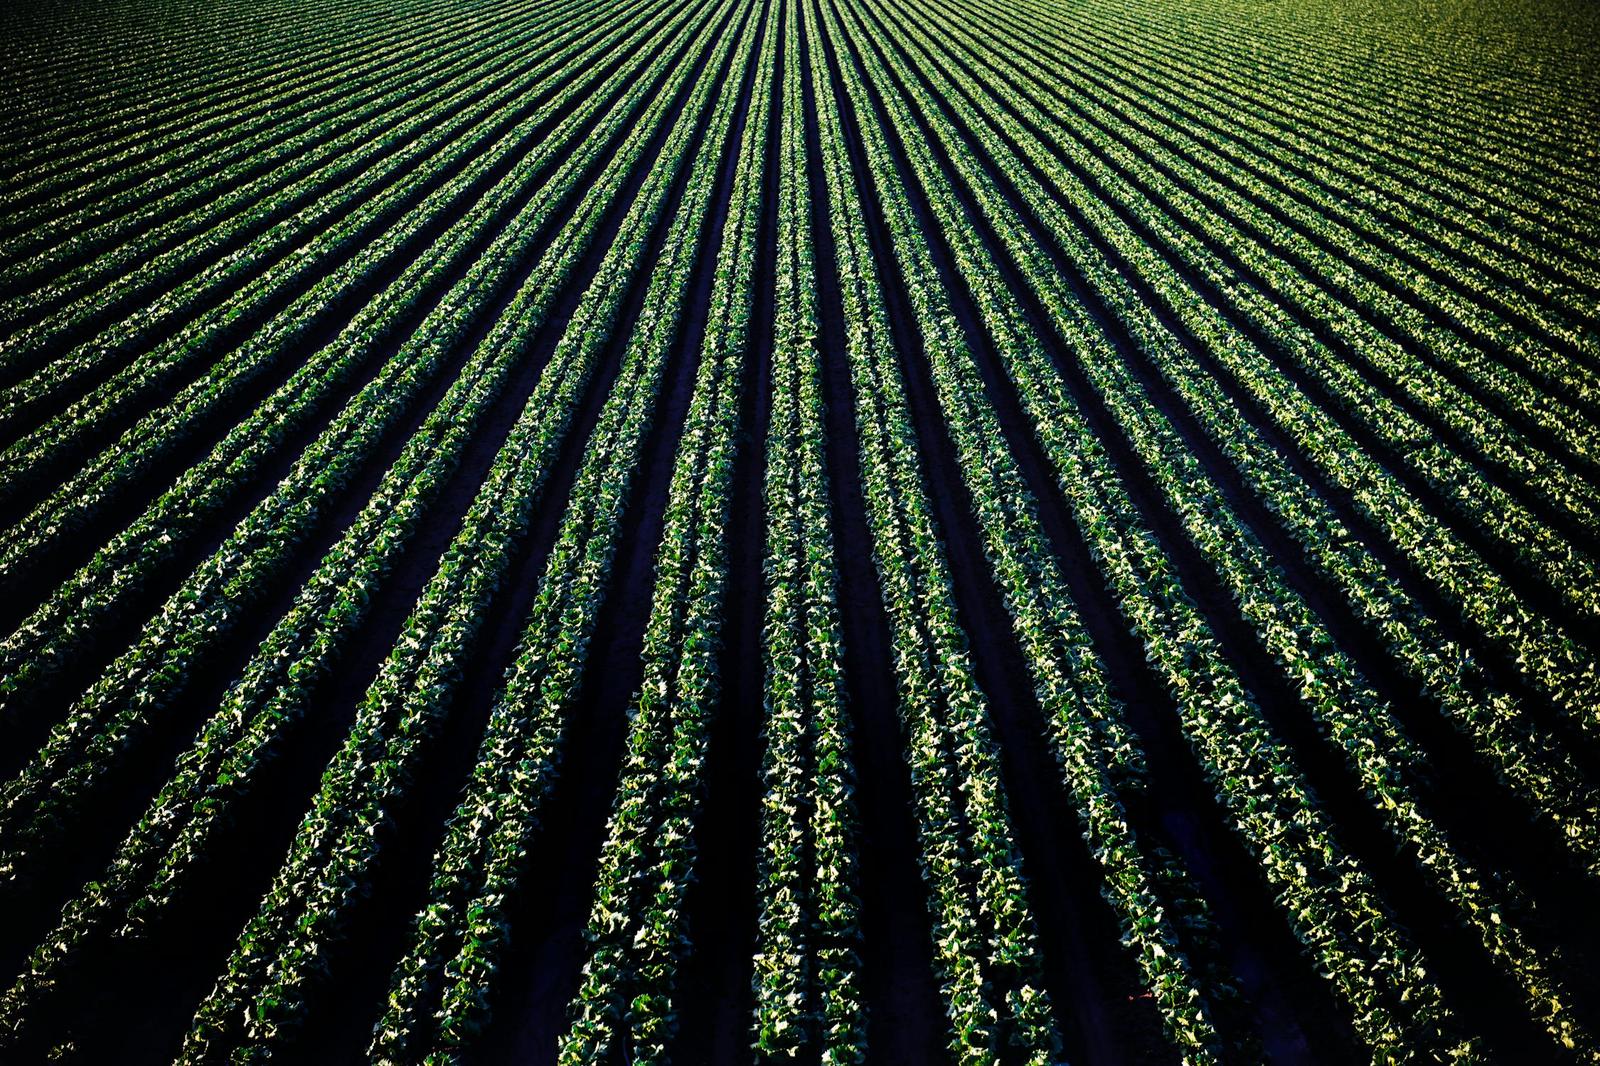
[819, 531]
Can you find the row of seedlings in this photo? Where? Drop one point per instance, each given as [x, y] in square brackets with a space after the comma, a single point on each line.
[636, 931]
[985, 945]
[808, 998]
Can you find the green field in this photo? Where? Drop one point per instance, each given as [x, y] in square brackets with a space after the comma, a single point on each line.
[800, 531]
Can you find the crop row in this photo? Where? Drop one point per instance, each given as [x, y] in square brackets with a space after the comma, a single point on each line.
[985, 945]
[636, 929]
[808, 995]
